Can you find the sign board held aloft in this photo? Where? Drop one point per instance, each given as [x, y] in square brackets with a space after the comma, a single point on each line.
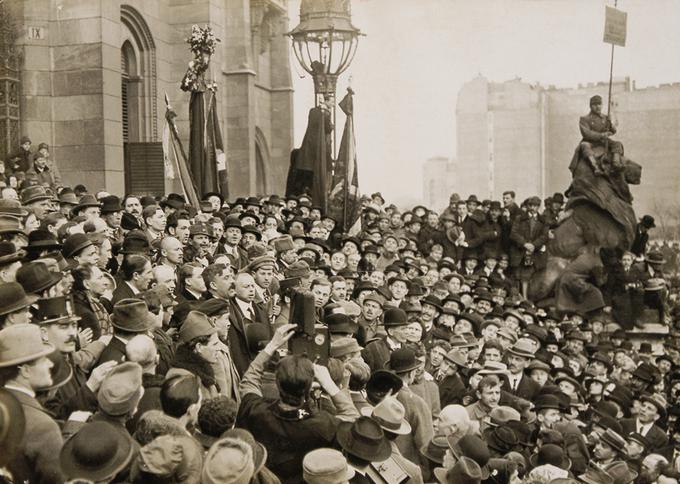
[615, 26]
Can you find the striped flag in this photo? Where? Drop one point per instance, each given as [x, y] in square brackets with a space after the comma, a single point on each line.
[174, 158]
[344, 200]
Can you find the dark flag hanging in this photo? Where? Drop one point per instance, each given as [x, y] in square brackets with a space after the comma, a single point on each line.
[204, 140]
[309, 170]
[344, 194]
[206, 150]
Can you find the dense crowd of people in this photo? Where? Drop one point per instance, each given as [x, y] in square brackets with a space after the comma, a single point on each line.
[143, 339]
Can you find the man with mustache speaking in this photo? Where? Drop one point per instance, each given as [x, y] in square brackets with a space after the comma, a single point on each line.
[58, 325]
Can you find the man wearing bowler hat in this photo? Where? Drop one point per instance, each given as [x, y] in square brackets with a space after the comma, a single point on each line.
[130, 317]
[377, 353]
[404, 364]
[15, 304]
[25, 369]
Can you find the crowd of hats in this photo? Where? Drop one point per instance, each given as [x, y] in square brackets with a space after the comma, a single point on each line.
[462, 302]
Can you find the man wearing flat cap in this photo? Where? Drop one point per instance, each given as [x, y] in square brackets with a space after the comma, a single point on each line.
[652, 408]
[596, 129]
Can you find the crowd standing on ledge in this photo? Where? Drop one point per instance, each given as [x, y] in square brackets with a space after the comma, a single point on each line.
[145, 340]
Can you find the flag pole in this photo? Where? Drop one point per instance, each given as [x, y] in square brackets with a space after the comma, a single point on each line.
[611, 74]
[345, 197]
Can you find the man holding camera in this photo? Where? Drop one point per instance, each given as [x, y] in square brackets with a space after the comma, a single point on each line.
[290, 427]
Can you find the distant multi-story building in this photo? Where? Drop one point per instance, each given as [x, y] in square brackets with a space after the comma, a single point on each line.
[519, 136]
[438, 181]
[89, 78]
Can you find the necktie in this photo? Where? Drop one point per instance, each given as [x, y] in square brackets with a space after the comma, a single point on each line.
[251, 314]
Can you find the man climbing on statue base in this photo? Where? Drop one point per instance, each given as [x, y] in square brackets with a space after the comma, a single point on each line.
[596, 130]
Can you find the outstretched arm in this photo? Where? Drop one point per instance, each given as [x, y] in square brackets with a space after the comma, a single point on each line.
[251, 381]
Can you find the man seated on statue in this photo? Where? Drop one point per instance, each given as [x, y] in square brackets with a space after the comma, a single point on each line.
[596, 130]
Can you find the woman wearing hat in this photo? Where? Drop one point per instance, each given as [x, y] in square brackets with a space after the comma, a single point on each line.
[197, 351]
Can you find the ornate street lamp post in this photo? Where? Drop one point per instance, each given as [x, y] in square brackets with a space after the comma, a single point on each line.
[324, 43]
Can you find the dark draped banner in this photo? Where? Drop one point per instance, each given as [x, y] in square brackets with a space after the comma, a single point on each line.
[310, 165]
[205, 139]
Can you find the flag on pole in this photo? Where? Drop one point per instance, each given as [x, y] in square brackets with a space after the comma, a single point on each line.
[174, 158]
[344, 194]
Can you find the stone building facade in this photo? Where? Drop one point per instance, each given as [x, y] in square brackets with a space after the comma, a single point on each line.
[95, 74]
[515, 135]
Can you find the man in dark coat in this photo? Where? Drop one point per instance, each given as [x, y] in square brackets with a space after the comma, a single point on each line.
[191, 283]
[528, 236]
[553, 209]
[624, 291]
[518, 383]
[377, 353]
[19, 160]
[244, 312]
[473, 228]
[510, 209]
[430, 233]
[142, 350]
[452, 389]
[639, 246]
[130, 318]
[652, 408]
[287, 428]
[59, 325]
[37, 459]
[494, 228]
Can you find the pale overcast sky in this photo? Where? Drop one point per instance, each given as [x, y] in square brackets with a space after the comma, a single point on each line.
[418, 53]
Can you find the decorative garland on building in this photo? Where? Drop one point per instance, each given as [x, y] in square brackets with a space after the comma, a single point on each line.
[202, 44]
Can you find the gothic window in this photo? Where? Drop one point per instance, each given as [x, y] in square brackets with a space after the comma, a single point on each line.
[10, 63]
